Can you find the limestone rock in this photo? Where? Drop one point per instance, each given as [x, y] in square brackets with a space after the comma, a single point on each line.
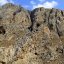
[31, 37]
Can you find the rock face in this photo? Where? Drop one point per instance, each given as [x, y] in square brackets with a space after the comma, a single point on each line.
[31, 37]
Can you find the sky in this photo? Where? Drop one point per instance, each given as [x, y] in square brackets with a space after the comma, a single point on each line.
[32, 4]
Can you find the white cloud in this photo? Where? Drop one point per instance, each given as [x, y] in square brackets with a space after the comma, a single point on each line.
[2, 2]
[46, 5]
[32, 2]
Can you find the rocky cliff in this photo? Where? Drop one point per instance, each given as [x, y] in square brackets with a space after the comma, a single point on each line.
[31, 37]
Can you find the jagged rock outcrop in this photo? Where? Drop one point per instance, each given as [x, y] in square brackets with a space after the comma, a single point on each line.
[31, 37]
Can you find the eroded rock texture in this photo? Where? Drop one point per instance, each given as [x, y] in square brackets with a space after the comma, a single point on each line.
[31, 37]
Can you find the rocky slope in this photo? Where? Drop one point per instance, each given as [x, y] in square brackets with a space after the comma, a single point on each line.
[31, 37]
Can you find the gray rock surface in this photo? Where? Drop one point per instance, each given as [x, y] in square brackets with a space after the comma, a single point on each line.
[31, 37]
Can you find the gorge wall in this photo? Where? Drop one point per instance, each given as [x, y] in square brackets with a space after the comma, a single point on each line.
[31, 37]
